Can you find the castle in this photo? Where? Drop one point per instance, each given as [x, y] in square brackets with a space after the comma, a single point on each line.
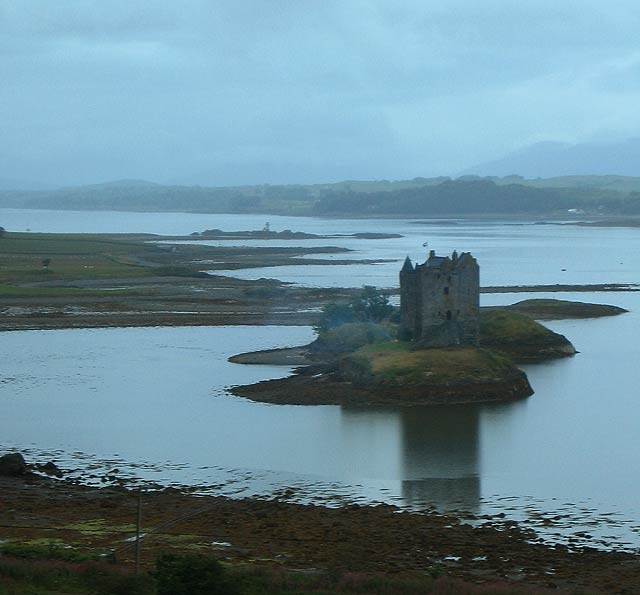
[440, 300]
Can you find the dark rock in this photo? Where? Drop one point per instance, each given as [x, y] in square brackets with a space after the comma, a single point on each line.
[292, 356]
[50, 469]
[13, 465]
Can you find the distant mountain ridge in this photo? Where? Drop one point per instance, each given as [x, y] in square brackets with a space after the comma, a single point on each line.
[553, 159]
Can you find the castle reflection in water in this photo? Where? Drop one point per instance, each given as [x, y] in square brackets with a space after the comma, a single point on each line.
[441, 452]
[435, 451]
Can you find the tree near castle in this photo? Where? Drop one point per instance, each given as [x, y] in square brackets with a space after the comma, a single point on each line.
[369, 306]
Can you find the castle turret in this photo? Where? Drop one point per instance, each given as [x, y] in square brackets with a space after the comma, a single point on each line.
[408, 297]
[407, 267]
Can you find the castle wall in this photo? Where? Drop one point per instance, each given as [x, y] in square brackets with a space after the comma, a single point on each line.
[440, 301]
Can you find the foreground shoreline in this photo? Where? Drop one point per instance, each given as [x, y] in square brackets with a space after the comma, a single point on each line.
[268, 532]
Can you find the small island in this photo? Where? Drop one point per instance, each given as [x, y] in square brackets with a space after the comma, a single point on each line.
[266, 233]
[546, 309]
[390, 373]
[439, 348]
[361, 364]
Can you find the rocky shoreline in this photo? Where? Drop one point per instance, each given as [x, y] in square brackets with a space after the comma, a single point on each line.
[329, 388]
[274, 533]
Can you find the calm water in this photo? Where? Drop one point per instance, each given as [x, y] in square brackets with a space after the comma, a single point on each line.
[156, 397]
[509, 253]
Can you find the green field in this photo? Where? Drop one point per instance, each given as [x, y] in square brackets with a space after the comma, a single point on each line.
[30, 258]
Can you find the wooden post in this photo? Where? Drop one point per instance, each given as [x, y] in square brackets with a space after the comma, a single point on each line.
[138, 529]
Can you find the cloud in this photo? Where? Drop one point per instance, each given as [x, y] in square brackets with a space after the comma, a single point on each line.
[379, 89]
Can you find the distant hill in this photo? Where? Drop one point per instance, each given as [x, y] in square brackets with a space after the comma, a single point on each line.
[420, 197]
[624, 184]
[142, 195]
[616, 183]
[551, 159]
[482, 196]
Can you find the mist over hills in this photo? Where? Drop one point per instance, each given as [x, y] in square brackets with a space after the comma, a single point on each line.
[14, 184]
[125, 183]
[549, 178]
[553, 159]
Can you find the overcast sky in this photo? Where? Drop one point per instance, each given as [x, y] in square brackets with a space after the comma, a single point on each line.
[251, 91]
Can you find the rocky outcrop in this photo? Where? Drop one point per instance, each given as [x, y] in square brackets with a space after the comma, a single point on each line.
[13, 465]
[50, 469]
[289, 356]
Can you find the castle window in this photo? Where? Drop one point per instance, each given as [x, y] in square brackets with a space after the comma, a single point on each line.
[448, 314]
[446, 291]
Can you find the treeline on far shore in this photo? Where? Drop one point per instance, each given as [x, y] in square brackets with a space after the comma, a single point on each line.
[420, 197]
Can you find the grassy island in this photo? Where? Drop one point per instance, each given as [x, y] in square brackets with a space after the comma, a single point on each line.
[392, 373]
[360, 363]
[433, 376]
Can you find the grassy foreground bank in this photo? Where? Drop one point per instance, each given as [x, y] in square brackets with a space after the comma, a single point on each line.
[194, 574]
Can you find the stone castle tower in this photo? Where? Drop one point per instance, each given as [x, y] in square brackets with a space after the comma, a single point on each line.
[440, 300]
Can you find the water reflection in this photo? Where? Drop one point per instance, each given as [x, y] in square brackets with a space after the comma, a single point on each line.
[434, 450]
[371, 442]
[440, 448]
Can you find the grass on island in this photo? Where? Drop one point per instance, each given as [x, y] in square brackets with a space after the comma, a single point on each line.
[520, 336]
[501, 326]
[396, 361]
